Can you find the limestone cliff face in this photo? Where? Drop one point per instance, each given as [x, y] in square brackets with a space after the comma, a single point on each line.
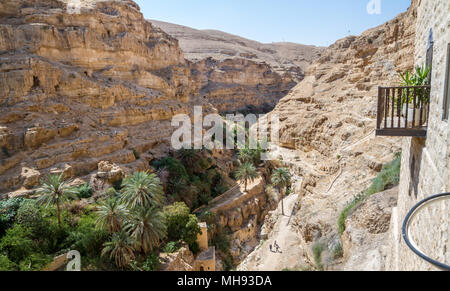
[236, 73]
[76, 89]
[328, 124]
[239, 84]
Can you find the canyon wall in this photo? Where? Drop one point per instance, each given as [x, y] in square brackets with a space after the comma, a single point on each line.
[240, 74]
[328, 127]
[79, 88]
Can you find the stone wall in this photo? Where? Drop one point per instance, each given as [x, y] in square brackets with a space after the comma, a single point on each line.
[426, 162]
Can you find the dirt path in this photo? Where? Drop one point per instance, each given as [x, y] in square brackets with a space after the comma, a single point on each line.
[262, 259]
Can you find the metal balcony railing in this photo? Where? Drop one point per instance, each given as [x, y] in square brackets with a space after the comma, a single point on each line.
[403, 111]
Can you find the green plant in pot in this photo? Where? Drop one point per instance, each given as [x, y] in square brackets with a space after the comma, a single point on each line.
[420, 77]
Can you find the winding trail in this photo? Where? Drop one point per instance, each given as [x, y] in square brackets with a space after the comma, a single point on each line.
[262, 259]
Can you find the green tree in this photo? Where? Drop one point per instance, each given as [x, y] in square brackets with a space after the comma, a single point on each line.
[55, 191]
[142, 190]
[6, 264]
[120, 249]
[147, 227]
[17, 243]
[247, 173]
[111, 215]
[281, 178]
[29, 215]
[250, 155]
[181, 224]
[8, 211]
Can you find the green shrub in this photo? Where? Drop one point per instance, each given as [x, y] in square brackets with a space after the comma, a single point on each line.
[386, 179]
[29, 215]
[318, 249]
[175, 167]
[51, 238]
[6, 264]
[152, 263]
[35, 262]
[181, 224]
[17, 243]
[8, 211]
[338, 252]
[171, 247]
[84, 191]
[86, 238]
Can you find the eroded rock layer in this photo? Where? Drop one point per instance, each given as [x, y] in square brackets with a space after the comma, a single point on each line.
[79, 88]
[238, 74]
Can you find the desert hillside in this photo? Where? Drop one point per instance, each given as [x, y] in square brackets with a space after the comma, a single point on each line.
[201, 44]
[238, 74]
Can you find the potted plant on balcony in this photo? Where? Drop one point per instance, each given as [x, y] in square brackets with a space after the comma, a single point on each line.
[413, 79]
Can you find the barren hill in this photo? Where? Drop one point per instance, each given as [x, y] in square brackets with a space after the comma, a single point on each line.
[201, 44]
[236, 72]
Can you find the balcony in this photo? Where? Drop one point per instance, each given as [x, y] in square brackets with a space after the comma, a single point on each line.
[403, 111]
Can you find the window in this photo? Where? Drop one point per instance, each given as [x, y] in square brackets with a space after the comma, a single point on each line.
[447, 87]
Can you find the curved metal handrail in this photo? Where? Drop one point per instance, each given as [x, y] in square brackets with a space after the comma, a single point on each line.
[406, 231]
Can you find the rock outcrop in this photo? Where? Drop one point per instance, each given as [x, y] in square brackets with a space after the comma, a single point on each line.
[240, 74]
[366, 238]
[328, 125]
[80, 88]
[181, 260]
[242, 214]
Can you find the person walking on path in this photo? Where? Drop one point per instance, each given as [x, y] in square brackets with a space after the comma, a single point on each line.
[277, 247]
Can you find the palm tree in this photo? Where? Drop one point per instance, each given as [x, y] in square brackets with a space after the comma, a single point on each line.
[281, 178]
[142, 190]
[147, 227]
[55, 191]
[246, 156]
[120, 249]
[247, 172]
[111, 215]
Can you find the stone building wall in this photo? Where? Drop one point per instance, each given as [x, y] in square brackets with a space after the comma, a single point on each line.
[425, 167]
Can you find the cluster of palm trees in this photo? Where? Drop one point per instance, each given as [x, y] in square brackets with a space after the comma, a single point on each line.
[134, 220]
[247, 172]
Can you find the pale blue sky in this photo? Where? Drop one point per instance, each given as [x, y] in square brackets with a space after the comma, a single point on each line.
[317, 22]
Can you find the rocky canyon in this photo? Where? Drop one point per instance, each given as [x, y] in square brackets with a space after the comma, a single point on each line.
[237, 74]
[91, 96]
[328, 140]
